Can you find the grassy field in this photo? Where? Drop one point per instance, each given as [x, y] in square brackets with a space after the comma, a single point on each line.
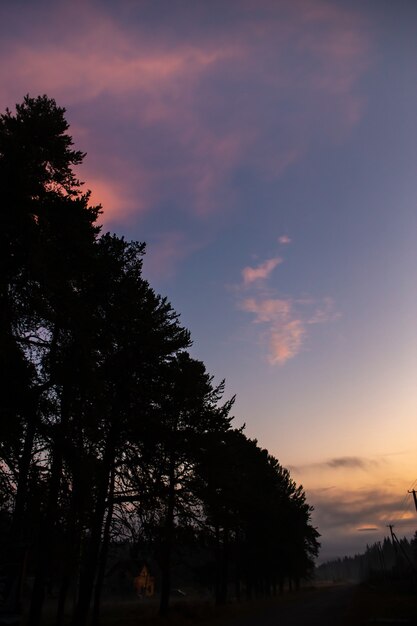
[370, 605]
[183, 612]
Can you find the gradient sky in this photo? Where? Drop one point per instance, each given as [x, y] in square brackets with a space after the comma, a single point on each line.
[266, 151]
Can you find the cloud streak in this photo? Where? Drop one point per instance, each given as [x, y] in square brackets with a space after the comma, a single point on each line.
[350, 462]
[171, 95]
[261, 272]
[285, 319]
[286, 340]
[267, 310]
[361, 508]
[353, 495]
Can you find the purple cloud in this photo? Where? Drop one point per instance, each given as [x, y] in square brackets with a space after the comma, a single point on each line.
[163, 107]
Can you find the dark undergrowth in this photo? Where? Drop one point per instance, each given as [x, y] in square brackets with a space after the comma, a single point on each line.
[183, 612]
[383, 603]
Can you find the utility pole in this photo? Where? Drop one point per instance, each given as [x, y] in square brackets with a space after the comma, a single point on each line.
[397, 545]
[393, 537]
[413, 491]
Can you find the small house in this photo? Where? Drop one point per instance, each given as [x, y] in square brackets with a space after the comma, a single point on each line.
[144, 584]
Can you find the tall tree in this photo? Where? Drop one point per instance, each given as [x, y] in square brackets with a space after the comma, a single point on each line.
[46, 230]
[187, 412]
[102, 400]
[257, 517]
[132, 332]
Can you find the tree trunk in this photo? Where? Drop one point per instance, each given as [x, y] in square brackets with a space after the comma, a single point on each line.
[22, 485]
[224, 569]
[47, 527]
[72, 550]
[103, 554]
[89, 565]
[45, 535]
[16, 551]
[167, 544]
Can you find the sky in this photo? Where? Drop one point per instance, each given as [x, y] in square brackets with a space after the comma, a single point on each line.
[266, 151]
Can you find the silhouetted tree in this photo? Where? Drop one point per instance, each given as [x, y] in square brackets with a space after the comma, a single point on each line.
[381, 561]
[104, 412]
[258, 517]
[161, 466]
[187, 413]
[45, 226]
[138, 331]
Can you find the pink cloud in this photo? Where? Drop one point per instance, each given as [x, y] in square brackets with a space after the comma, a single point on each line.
[176, 90]
[286, 341]
[84, 73]
[251, 274]
[114, 198]
[122, 188]
[286, 319]
[285, 332]
[269, 310]
[284, 240]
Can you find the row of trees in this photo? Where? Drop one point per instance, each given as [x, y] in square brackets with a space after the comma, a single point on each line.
[104, 413]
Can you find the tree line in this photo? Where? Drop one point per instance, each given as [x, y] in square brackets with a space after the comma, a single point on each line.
[105, 416]
[392, 560]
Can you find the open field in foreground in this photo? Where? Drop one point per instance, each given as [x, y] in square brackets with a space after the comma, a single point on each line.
[332, 605]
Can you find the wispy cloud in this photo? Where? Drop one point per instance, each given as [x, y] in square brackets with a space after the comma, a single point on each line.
[171, 95]
[267, 310]
[284, 240]
[285, 335]
[355, 509]
[350, 462]
[261, 272]
[374, 498]
[344, 462]
[286, 320]
[286, 340]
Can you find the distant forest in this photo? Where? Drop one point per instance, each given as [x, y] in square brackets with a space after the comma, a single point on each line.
[392, 560]
[109, 430]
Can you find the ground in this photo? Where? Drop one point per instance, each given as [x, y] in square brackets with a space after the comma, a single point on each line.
[331, 605]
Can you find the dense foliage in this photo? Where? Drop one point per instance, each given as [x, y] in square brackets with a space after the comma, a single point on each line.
[108, 426]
